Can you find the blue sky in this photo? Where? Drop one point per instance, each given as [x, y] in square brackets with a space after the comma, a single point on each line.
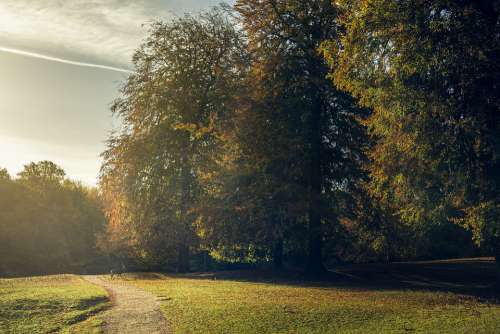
[52, 107]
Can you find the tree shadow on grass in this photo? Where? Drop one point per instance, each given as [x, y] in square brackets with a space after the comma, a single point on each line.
[476, 277]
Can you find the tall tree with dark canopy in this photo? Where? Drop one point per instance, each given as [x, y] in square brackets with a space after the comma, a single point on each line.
[431, 72]
[284, 37]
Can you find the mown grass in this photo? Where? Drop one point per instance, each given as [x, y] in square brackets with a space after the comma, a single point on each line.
[197, 305]
[50, 304]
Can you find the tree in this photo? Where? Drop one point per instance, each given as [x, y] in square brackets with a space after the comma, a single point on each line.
[430, 71]
[42, 172]
[310, 131]
[172, 110]
[4, 174]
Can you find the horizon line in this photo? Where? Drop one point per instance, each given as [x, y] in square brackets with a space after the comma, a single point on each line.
[62, 60]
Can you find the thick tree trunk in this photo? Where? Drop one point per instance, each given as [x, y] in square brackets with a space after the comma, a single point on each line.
[315, 265]
[278, 254]
[315, 257]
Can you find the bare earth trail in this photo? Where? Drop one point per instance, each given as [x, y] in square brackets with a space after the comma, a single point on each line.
[133, 311]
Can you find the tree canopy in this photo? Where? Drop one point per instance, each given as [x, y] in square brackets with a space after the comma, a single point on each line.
[172, 109]
[307, 132]
[430, 73]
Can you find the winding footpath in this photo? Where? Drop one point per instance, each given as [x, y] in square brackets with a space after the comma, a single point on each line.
[133, 311]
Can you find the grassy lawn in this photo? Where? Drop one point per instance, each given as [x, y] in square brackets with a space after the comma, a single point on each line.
[194, 304]
[50, 304]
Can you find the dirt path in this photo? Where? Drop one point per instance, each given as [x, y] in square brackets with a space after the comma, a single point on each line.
[134, 311]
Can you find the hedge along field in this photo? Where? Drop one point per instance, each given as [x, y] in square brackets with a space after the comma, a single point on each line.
[396, 301]
[50, 304]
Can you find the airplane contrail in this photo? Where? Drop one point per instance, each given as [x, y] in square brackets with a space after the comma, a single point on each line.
[61, 60]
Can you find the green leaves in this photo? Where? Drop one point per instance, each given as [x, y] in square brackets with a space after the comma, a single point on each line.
[423, 68]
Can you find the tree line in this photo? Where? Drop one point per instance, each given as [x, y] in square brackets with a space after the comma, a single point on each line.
[48, 223]
[310, 131]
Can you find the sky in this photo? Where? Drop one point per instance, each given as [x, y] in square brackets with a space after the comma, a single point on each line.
[62, 63]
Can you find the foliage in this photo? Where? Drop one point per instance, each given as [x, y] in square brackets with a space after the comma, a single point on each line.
[47, 223]
[42, 173]
[236, 144]
[172, 110]
[430, 72]
[483, 221]
[4, 174]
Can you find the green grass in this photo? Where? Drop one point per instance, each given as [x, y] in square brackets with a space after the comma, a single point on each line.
[418, 297]
[197, 305]
[50, 304]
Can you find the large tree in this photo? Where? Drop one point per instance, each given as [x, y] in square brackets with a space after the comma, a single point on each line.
[431, 72]
[172, 111]
[310, 146]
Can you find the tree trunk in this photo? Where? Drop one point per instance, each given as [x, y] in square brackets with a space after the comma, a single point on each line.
[278, 254]
[315, 257]
[183, 251]
[315, 265]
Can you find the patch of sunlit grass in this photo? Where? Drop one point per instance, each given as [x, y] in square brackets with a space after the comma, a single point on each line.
[50, 304]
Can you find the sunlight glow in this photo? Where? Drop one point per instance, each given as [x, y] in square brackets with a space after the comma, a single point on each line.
[78, 162]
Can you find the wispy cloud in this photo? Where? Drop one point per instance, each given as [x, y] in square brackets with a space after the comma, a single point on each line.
[89, 31]
[65, 61]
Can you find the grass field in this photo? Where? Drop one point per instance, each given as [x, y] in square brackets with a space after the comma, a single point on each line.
[50, 304]
[391, 300]
[456, 296]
